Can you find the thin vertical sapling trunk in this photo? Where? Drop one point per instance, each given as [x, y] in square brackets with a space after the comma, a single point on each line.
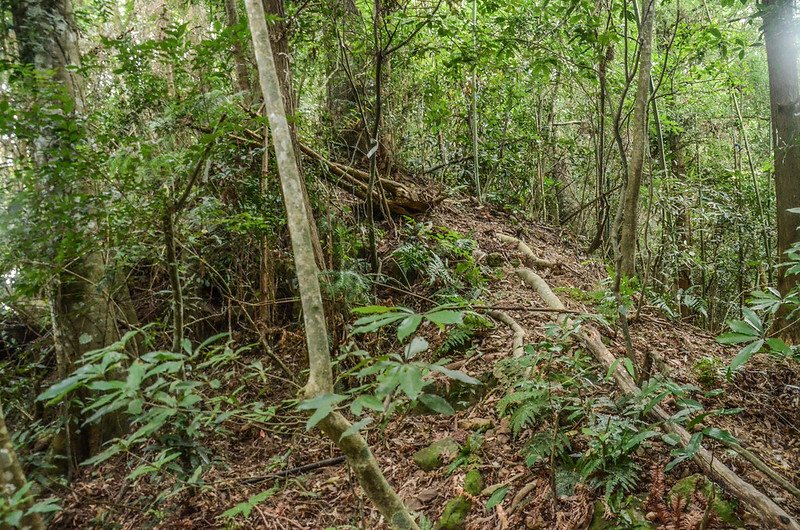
[630, 208]
[320, 381]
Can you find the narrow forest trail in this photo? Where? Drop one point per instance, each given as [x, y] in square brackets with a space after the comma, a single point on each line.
[767, 390]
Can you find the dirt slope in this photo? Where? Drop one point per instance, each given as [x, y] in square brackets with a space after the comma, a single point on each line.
[768, 390]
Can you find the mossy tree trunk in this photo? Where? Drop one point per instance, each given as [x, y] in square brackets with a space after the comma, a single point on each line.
[83, 311]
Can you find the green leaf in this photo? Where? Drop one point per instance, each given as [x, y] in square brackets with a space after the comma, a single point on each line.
[57, 392]
[734, 338]
[437, 404]
[366, 402]
[357, 426]
[745, 328]
[135, 375]
[455, 374]
[411, 382]
[445, 317]
[408, 327]
[629, 366]
[496, 497]
[85, 338]
[372, 323]
[744, 355]
[635, 441]
[322, 406]
[720, 434]
[752, 319]
[135, 406]
[778, 346]
[415, 347]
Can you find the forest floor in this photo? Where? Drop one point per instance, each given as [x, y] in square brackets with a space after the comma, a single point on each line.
[768, 391]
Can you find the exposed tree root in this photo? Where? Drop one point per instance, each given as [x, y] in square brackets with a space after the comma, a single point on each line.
[530, 258]
[518, 341]
[772, 514]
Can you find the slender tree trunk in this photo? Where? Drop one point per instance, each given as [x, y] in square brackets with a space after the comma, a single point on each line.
[12, 478]
[82, 309]
[279, 40]
[683, 223]
[237, 51]
[474, 103]
[320, 381]
[630, 212]
[780, 36]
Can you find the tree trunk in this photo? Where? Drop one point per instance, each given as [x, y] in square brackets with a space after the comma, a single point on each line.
[683, 224]
[83, 312]
[630, 211]
[784, 94]
[12, 479]
[238, 53]
[320, 381]
[279, 40]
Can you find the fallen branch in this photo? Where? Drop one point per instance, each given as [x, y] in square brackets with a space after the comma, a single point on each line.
[775, 516]
[530, 258]
[293, 471]
[764, 468]
[400, 199]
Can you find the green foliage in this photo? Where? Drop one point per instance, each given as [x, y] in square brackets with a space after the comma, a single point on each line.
[440, 257]
[243, 509]
[393, 380]
[15, 505]
[171, 399]
[752, 333]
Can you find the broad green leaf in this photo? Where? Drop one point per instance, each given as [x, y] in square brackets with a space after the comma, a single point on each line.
[752, 319]
[372, 309]
[411, 382]
[626, 361]
[135, 375]
[445, 317]
[496, 497]
[415, 347]
[720, 434]
[375, 324]
[366, 402]
[638, 439]
[740, 326]
[437, 404]
[455, 374]
[778, 346]
[744, 355]
[357, 426]
[734, 338]
[408, 326]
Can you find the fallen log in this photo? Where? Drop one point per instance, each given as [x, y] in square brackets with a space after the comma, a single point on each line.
[772, 514]
[400, 199]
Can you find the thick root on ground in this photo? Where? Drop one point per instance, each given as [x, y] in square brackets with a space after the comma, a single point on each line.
[773, 515]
